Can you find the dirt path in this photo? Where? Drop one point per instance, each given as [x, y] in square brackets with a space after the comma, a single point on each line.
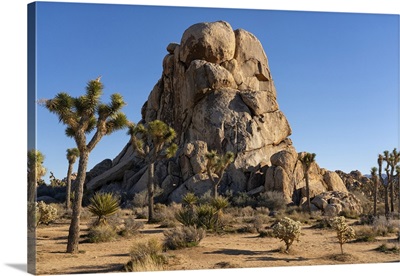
[316, 246]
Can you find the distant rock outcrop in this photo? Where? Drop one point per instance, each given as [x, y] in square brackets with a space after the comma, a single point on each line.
[217, 92]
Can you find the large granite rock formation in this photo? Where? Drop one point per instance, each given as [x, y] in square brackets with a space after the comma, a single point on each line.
[217, 92]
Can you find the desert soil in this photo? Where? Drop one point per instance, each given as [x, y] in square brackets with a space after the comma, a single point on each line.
[215, 251]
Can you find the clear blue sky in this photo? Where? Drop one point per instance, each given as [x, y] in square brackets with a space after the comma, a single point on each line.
[336, 74]
[367, 134]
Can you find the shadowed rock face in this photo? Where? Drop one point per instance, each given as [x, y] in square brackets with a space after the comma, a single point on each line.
[217, 92]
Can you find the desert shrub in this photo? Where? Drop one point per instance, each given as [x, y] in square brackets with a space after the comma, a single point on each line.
[146, 256]
[303, 217]
[383, 226]
[103, 205]
[366, 219]
[365, 233]
[141, 213]
[181, 237]
[62, 212]
[349, 214]
[259, 221]
[102, 233]
[262, 211]
[323, 223]
[85, 214]
[226, 221]
[45, 213]
[273, 200]
[165, 214]
[388, 249]
[242, 199]
[269, 233]
[131, 227]
[344, 233]
[140, 199]
[206, 198]
[287, 230]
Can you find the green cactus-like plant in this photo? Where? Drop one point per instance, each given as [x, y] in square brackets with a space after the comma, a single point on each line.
[344, 232]
[45, 213]
[287, 230]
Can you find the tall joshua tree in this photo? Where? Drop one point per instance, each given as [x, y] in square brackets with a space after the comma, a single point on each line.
[375, 180]
[398, 187]
[217, 164]
[82, 115]
[35, 172]
[307, 159]
[72, 155]
[152, 142]
[392, 160]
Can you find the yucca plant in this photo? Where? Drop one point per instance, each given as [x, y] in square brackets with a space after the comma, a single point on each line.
[190, 199]
[103, 205]
[207, 216]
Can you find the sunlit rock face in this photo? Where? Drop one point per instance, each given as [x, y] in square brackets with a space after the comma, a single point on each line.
[216, 90]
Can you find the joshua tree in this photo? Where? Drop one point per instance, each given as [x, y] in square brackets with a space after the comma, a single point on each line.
[35, 172]
[152, 143]
[307, 159]
[217, 164]
[398, 187]
[82, 115]
[391, 159]
[375, 180]
[72, 155]
[382, 181]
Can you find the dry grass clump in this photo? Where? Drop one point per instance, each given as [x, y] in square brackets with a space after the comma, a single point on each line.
[365, 233]
[383, 226]
[165, 214]
[102, 233]
[146, 256]
[182, 237]
[131, 227]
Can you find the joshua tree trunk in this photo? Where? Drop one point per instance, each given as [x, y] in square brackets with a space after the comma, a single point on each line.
[375, 194]
[398, 192]
[391, 187]
[32, 188]
[74, 228]
[386, 200]
[68, 200]
[150, 192]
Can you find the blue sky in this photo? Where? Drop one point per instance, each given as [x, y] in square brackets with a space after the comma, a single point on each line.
[374, 136]
[336, 74]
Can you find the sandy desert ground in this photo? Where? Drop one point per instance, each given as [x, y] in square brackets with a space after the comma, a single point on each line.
[215, 251]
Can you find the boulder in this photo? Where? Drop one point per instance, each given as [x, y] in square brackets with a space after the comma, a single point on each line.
[331, 203]
[217, 92]
[213, 42]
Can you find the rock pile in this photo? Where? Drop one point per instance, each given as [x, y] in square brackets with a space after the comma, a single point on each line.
[217, 92]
